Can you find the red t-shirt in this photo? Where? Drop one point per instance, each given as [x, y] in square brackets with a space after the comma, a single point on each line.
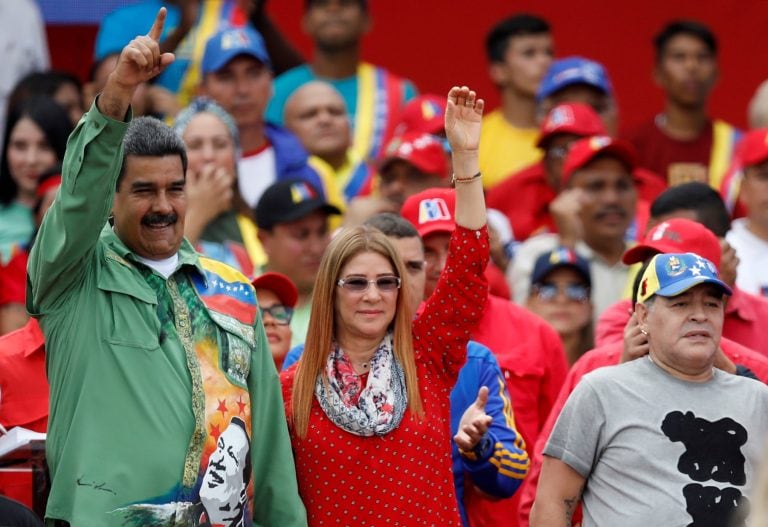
[13, 279]
[23, 381]
[610, 355]
[531, 357]
[404, 477]
[657, 151]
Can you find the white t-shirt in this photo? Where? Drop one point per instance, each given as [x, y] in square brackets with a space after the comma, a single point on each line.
[255, 173]
[752, 273]
[165, 267]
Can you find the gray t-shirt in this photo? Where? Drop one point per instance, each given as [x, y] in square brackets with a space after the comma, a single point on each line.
[657, 448]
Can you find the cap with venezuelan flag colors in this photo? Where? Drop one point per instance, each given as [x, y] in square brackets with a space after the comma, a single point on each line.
[289, 200]
[431, 210]
[672, 274]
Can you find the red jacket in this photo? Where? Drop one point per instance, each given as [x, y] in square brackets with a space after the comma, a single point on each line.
[610, 355]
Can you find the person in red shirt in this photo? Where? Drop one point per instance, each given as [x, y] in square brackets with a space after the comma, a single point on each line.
[536, 186]
[368, 403]
[528, 350]
[683, 143]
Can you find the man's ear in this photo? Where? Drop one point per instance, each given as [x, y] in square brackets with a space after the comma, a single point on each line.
[641, 310]
[497, 73]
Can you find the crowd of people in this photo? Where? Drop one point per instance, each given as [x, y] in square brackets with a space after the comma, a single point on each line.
[238, 287]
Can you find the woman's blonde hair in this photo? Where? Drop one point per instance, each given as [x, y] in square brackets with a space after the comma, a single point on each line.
[320, 335]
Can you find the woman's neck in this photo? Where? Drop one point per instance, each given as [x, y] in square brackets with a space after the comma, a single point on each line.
[360, 350]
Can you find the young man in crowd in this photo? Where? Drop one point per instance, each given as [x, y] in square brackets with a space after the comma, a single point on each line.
[292, 217]
[520, 50]
[683, 143]
[373, 95]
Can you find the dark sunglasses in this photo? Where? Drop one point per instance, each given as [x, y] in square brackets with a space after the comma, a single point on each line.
[282, 314]
[573, 292]
[358, 284]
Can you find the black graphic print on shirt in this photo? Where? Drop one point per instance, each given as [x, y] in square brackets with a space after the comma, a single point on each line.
[712, 453]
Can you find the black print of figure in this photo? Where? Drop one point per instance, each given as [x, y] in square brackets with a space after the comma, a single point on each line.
[712, 450]
[712, 507]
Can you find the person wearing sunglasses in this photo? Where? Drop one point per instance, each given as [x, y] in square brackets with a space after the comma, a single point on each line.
[561, 294]
[368, 402]
[277, 296]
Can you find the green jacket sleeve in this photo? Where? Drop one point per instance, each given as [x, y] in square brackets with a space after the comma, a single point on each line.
[276, 493]
[70, 231]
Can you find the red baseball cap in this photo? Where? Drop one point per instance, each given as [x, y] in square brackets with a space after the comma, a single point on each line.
[754, 147]
[676, 235]
[422, 150]
[585, 150]
[570, 118]
[279, 284]
[425, 113]
[431, 210]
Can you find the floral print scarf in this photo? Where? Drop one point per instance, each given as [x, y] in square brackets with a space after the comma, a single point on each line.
[380, 403]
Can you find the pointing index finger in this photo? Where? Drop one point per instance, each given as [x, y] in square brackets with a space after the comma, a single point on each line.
[157, 26]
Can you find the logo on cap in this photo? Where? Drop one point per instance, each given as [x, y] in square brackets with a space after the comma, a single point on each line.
[560, 116]
[234, 39]
[429, 110]
[301, 192]
[433, 209]
[675, 267]
[663, 231]
[598, 142]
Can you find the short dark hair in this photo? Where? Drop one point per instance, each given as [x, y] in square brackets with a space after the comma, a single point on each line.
[52, 120]
[684, 27]
[515, 26]
[150, 137]
[699, 198]
[392, 225]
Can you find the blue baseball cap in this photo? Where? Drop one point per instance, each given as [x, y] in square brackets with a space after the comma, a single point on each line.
[573, 70]
[230, 42]
[672, 274]
[559, 258]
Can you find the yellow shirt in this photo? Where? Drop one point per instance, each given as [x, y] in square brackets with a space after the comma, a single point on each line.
[505, 149]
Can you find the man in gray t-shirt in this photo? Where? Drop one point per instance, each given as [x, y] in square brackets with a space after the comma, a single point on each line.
[666, 438]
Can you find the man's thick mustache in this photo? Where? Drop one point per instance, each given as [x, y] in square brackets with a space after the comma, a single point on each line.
[159, 219]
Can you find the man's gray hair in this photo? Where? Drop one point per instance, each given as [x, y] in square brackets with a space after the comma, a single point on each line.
[150, 137]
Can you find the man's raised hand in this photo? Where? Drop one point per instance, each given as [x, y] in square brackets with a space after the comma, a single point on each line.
[139, 61]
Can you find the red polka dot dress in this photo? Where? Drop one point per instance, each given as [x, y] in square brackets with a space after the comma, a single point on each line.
[403, 477]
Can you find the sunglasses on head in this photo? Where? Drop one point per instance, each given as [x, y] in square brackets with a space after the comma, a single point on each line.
[358, 284]
[572, 292]
[282, 314]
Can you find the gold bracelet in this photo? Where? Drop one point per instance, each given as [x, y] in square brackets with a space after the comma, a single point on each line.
[455, 180]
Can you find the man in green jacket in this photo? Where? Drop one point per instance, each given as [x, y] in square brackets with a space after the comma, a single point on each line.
[165, 403]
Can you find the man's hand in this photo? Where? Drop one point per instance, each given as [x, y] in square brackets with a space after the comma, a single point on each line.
[729, 261]
[474, 423]
[139, 61]
[635, 341]
[566, 211]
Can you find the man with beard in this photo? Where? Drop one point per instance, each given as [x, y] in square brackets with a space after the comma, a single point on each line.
[151, 349]
[593, 213]
[373, 95]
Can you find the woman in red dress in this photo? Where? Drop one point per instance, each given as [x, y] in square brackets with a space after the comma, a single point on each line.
[368, 403]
